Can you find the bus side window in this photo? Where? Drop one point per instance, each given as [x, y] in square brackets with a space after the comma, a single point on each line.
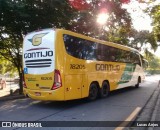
[100, 53]
[106, 52]
[122, 55]
[135, 59]
[90, 50]
[112, 54]
[118, 55]
[80, 48]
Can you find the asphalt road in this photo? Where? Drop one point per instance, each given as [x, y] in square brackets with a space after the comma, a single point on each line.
[117, 107]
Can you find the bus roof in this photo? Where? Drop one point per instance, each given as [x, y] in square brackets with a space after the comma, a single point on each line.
[116, 45]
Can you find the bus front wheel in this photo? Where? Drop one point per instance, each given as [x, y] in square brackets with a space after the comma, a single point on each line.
[93, 91]
[138, 82]
[104, 91]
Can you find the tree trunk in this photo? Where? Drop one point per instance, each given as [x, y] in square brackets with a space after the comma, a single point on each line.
[20, 81]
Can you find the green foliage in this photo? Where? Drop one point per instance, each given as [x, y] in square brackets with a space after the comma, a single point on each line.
[155, 15]
[118, 23]
[148, 55]
[143, 37]
[119, 35]
[152, 72]
[27, 15]
[6, 66]
[20, 17]
[154, 64]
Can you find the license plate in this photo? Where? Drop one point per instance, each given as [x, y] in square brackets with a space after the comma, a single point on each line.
[37, 93]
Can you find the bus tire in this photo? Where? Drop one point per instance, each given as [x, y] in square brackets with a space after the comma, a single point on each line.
[93, 92]
[138, 82]
[104, 91]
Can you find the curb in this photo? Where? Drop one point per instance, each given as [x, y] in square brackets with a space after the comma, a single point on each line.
[154, 114]
[12, 97]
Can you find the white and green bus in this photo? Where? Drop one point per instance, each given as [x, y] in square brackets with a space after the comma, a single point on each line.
[63, 65]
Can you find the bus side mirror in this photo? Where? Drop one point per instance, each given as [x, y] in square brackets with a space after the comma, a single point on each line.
[145, 64]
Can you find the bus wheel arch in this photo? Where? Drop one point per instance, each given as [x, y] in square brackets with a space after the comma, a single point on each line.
[138, 82]
[105, 89]
[93, 91]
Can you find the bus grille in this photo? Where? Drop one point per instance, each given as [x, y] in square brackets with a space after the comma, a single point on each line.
[39, 63]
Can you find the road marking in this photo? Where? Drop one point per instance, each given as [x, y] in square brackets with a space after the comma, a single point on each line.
[129, 118]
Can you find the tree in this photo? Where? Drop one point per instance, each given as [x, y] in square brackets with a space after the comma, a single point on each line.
[154, 65]
[155, 15]
[6, 66]
[115, 29]
[20, 17]
[142, 37]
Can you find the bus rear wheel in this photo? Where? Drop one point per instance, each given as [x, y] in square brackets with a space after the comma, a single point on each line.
[104, 91]
[93, 92]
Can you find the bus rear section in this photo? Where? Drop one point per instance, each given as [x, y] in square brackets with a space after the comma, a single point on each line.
[42, 81]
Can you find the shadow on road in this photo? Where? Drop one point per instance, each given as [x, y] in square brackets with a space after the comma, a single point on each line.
[79, 102]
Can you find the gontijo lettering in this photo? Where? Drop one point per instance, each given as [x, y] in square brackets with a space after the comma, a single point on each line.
[38, 54]
[107, 67]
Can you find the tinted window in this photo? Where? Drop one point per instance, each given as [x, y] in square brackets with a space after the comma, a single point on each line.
[135, 58]
[88, 50]
[80, 48]
[102, 52]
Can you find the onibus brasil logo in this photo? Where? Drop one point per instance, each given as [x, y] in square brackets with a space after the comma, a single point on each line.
[37, 39]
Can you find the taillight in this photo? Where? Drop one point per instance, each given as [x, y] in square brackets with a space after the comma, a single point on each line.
[57, 80]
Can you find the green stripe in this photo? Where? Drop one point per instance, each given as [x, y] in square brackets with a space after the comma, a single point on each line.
[128, 73]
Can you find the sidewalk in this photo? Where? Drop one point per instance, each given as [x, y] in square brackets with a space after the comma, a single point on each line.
[157, 110]
[150, 112]
[11, 91]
